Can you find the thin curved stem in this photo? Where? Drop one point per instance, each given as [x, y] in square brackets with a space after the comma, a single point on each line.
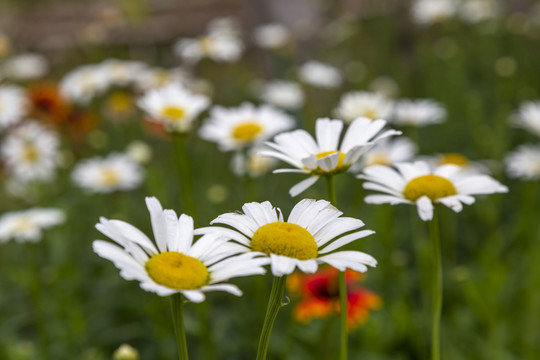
[437, 287]
[183, 164]
[274, 304]
[177, 305]
[330, 186]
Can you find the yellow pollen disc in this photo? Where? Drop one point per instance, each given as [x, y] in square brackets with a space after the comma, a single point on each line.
[207, 44]
[340, 158]
[370, 113]
[432, 186]
[378, 159]
[454, 159]
[177, 271]
[30, 153]
[109, 177]
[246, 131]
[285, 239]
[23, 225]
[121, 101]
[173, 113]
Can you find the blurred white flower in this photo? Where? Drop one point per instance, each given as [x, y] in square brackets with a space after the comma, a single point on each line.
[387, 152]
[139, 151]
[364, 104]
[30, 152]
[126, 352]
[524, 162]
[104, 175]
[271, 36]
[173, 106]
[284, 94]
[252, 163]
[120, 72]
[156, 77]
[418, 113]
[528, 117]
[319, 74]
[82, 84]
[460, 160]
[26, 66]
[221, 43]
[245, 125]
[384, 85]
[427, 12]
[28, 225]
[475, 11]
[13, 105]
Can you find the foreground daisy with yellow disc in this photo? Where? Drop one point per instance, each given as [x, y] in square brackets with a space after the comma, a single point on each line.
[324, 156]
[310, 237]
[174, 264]
[417, 183]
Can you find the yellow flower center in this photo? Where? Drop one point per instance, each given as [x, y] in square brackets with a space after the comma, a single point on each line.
[30, 153]
[454, 159]
[121, 101]
[378, 159]
[285, 239]
[207, 44]
[173, 113]
[177, 271]
[246, 131]
[370, 113]
[432, 186]
[109, 177]
[340, 167]
[23, 224]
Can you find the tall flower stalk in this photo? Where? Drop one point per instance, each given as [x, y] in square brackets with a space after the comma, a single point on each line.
[330, 186]
[437, 298]
[183, 165]
[177, 305]
[274, 304]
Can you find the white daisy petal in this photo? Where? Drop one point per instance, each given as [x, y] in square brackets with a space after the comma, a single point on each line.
[425, 208]
[303, 186]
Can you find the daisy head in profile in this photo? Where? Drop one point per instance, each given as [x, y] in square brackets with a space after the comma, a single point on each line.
[372, 105]
[418, 184]
[418, 113]
[173, 106]
[243, 126]
[524, 162]
[13, 105]
[528, 117]
[175, 263]
[116, 172]
[28, 225]
[324, 156]
[312, 235]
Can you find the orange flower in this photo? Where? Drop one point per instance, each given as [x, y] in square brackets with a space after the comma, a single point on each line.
[319, 295]
[47, 103]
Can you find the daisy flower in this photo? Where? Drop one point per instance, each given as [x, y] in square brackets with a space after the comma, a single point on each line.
[320, 74]
[427, 12]
[418, 113]
[13, 105]
[524, 162]
[310, 236]
[173, 106]
[416, 183]
[388, 152]
[175, 263]
[457, 159]
[82, 84]
[252, 163]
[246, 125]
[272, 36]
[28, 225]
[120, 72]
[156, 77]
[25, 67]
[104, 175]
[323, 157]
[284, 94]
[30, 152]
[363, 104]
[528, 117]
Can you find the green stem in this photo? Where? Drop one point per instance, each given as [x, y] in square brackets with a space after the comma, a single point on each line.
[274, 303]
[177, 305]
[330, 186]
[181, 158]
[437, 287]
